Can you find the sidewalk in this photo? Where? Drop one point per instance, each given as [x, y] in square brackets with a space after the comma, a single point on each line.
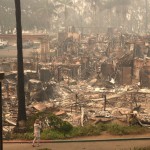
[88, 145]
[103, 137]
[101, 142]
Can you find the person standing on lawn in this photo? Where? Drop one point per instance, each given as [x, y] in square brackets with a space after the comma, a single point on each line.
[37, 131]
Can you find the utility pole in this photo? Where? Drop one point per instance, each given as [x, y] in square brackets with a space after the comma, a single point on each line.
[1, 112]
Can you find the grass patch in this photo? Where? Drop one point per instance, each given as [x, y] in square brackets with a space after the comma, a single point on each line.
[22, 136]
[88, 130]
[51, 134]
[116, 129]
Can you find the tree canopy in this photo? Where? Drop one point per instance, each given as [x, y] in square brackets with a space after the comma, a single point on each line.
[51, 15]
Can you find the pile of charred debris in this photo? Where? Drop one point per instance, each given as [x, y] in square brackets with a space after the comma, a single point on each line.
[83, 78]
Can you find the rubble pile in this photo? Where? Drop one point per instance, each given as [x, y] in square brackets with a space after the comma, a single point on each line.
[84, 79]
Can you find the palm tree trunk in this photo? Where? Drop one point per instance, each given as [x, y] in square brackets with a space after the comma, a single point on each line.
[20, 83]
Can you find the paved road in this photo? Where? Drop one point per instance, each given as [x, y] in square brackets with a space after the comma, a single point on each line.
[99, 145]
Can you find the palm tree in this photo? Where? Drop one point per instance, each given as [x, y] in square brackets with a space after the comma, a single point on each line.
[20, 84]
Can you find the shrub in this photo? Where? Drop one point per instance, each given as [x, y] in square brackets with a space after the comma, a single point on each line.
[60, 125]
[65, 127]
[39, 115]
[55, 122]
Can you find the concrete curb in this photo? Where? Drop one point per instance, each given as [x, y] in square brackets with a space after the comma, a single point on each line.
[73, 141]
